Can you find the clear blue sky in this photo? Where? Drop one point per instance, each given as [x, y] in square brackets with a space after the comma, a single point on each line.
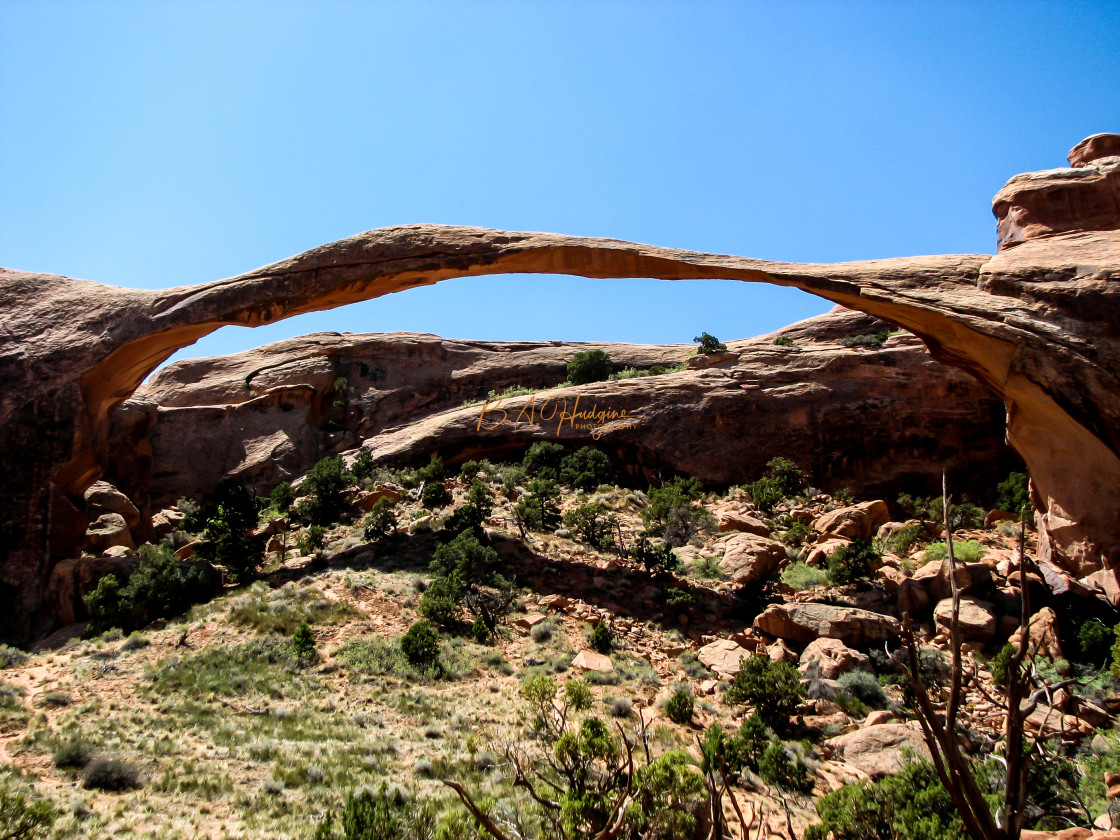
[154, 144]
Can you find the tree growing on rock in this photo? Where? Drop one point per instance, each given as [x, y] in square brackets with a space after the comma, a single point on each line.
[709, 344]
[589, 366]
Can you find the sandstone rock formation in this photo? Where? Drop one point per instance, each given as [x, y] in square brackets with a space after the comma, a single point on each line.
[808, 622]
[855, 418]
[1038, 323]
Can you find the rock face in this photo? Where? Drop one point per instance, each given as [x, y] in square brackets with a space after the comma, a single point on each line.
[1038, 324]
[270, 414]
[808, 622]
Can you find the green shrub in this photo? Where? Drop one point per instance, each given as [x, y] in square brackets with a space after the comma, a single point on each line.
[589, 366]
[730, 753]
[73, 754]
[282, 497]
[675, 598]
[363, 467]
[538, 509]
[784, 341]
[470, 515]
[324, 490]
[467, 574]
[1095, 640]
[434, 495]
[766, 493]
[379, 656]
[969, 551]
[24, 816]
[773, 688]
[911, 804]
[775, 768]
[671, 510]
[852, 562]
[420, 644]
[904, 539]
[468, 471]
[873, 341]
[160, 587]
[303, 645]
[1014, 493]
[230, 513]
[111, 775]
[311, 540]
[543, 455]
[802, 576]
[796, 533]
[602, 639]
[11, 657]
[386, 814]
[585, 469]
[709, 344]
[680, 708]
[864, 687]
[1000, 666]
[593, 523]
[440, 603]
[381, 521]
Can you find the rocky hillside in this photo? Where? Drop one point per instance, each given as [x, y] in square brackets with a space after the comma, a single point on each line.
[870, 419]
[771, 629]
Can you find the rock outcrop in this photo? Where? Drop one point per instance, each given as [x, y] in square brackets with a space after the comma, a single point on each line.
[855, 418]
[1039, 324]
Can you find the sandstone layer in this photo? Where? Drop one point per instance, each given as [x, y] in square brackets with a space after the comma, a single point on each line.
[1038, 324]
[866, 419]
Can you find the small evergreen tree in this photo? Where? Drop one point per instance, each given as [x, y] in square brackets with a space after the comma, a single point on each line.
[325, 487]
[421, 644]
[773, 688]
[363, 466]
[585, 469]
[543, 455]
[680, 707]
[709, 344]
[593, 523]
[382, 519]
[231, 513]
[303, 645]
[602, 639]
[538, 508]
[282, 496]
[589, 366]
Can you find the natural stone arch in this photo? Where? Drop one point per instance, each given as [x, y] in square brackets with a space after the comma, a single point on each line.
[1037, 324]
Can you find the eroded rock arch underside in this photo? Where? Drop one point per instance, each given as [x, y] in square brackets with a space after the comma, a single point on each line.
[1038, 324]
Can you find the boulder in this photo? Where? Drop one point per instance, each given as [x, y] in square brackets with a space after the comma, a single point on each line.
[528, 622]
[723, 657]
[977, 619]
[1042, 631]
[806, 622]
[589, 660]
[912, 597]
[103, 496]
[831, 658]
[166, 521]
[741, 520]
[107, 530]
[817, 555]
[858, 522]
[748, 558]
[880, 750]
[780, 652]
[366, 499]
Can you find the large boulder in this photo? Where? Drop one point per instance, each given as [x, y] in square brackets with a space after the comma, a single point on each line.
[807, 622]
[748, 558]
[880, 750]
[103, 496]
[831, 659]
[976, 618]
[736, 519]
[108, 530]
[723, 656]
[858, 522]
